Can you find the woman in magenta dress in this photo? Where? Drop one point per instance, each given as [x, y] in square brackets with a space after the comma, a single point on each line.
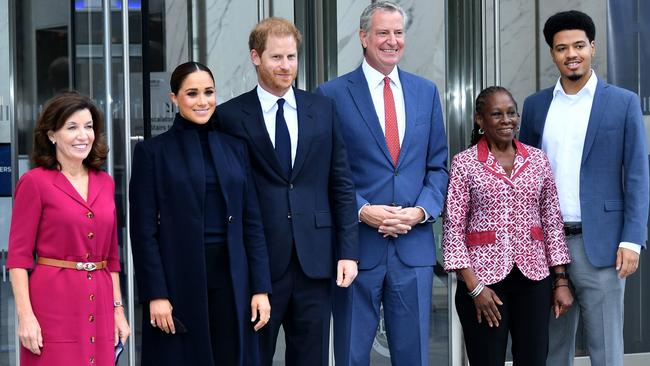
[70, 306]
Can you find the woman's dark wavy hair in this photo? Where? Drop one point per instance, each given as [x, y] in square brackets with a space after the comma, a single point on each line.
[181, 71]
[568, 20]
[55, 112]
[479, 104]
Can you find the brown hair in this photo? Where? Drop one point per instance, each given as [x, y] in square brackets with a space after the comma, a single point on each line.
[273, 26]
[55, 112]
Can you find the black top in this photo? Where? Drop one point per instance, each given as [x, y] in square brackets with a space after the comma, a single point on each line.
[214, 226]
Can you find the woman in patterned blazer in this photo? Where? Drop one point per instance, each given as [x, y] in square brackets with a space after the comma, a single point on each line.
[502, 232]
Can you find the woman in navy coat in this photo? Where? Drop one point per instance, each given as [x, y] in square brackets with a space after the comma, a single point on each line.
[201, 260]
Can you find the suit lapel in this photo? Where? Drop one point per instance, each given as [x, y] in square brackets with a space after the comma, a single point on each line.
[220, 162]
[62, 183]
[95, 186]
[306, 130]
[541, 121]
[358, 87]
[253, 122]
[598, 108]
[411, 107]
[190, 151]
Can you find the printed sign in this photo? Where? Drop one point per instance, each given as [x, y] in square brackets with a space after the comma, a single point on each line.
[5, 170]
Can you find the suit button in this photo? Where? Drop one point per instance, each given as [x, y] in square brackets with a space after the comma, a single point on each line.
[90, 215]
[396, 173]
[290, 186]
[289, 215]
[91, 235]
[229, 219]
[91, 297]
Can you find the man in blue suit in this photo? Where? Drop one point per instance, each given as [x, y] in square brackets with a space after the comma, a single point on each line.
[594, 136]
[392, 123]
[305, 189]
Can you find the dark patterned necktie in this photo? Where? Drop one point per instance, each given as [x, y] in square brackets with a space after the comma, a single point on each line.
[282, 139]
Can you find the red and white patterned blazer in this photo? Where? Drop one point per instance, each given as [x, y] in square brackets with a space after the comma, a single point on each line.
[494, 221]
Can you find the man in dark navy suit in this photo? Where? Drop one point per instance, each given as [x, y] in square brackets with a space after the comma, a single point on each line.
[305, 189]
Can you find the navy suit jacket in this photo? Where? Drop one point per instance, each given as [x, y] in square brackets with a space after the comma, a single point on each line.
[314, 207]
[420, 178]
[167, 198]
[614, 170]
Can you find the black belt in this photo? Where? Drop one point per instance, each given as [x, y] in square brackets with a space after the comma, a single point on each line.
[572, 229]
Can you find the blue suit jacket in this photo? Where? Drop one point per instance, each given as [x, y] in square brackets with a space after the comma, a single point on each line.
[420, 178]
[614, 171]
[314, 207]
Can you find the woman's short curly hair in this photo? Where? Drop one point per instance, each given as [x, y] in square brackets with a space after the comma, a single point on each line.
[55, 112]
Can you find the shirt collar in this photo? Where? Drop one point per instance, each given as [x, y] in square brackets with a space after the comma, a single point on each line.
[376, 78]
[268, 100]
[589, 88]
[483, 150]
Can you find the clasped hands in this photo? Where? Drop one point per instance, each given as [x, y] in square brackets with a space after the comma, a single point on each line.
[391, 220]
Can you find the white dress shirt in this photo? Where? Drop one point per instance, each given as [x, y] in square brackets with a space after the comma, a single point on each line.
[563, 141]
[375, 81]
[269, 103]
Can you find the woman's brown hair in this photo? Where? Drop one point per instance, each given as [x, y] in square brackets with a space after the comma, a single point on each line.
[55, 112]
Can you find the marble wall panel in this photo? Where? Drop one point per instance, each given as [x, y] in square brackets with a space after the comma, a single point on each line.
[229, 23]
[517, 51]
[176, 33]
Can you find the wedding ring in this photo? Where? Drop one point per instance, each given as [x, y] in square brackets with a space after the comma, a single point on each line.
[153, 323]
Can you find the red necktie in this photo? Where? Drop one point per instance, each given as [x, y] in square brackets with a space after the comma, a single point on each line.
[392, 134]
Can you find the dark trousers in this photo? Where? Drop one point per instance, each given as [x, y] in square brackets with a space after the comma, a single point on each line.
[302, 306]
[524, 314]
[221, 307]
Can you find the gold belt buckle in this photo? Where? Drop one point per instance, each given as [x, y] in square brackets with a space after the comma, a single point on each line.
[88, 266]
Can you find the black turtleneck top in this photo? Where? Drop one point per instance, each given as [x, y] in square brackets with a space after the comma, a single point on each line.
[215, 223]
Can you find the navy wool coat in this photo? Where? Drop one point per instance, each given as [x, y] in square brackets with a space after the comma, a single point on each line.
[167, 194]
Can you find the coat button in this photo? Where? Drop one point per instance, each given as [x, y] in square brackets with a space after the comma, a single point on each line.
[229, 219]
[87, 256]
[91, 297]
[90, 276]
[91, 235]
[289, 215]
[91, 359]
[290, 186]
[91, 318]
[90, 215]
[396, 173]
[92, 339]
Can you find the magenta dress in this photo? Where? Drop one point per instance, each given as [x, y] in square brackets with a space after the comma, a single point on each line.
[74, 308]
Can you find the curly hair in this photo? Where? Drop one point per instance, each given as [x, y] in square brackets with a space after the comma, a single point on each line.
[479, 104]
[568, 20]
[55, 112]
